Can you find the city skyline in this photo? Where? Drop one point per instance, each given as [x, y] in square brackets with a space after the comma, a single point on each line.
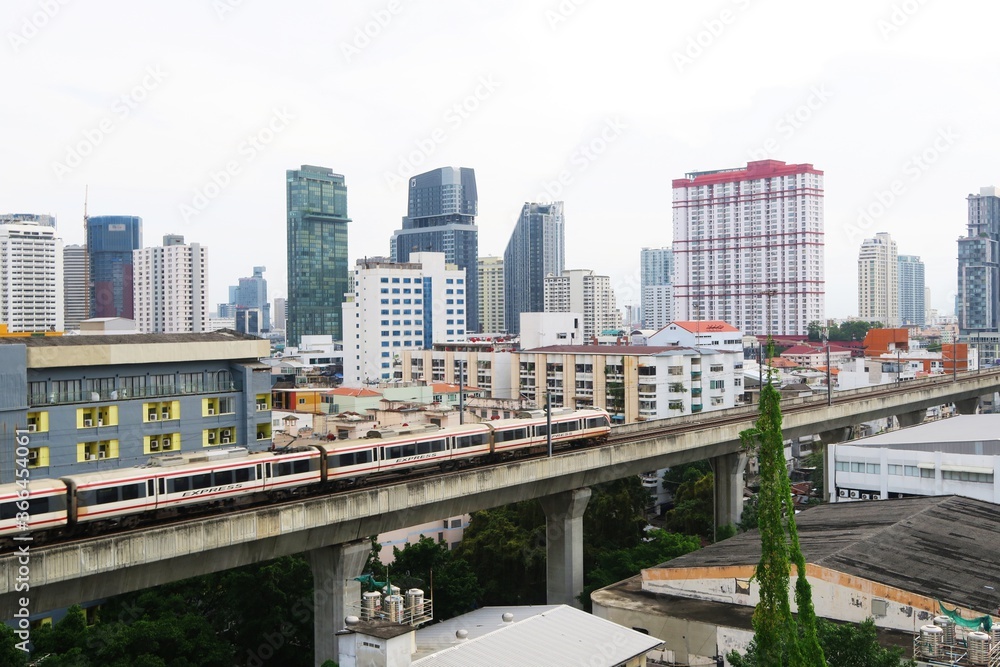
[156, 135]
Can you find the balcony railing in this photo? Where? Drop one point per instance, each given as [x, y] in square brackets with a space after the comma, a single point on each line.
[101, 396]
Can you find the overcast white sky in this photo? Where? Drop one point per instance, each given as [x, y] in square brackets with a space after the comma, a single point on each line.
[146, 101]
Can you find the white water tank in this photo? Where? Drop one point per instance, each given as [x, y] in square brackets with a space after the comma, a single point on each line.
[979, 647]
[370, 604]
[948, 625]
[393, 606]
[415, 602]
[931, 640]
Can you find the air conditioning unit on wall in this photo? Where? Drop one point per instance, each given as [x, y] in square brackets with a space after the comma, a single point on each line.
[843, 493]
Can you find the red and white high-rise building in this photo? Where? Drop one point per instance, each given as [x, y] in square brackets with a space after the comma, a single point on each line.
[748, 247]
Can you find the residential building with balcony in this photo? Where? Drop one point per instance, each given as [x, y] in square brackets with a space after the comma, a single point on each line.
[748, 247]
[100, 403]
[582, 291]
[633, 383]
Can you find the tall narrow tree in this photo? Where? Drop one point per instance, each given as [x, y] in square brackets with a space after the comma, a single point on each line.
[779, 639]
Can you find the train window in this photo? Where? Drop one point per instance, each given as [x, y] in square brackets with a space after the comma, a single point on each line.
[36, 506]
[201, 481]
[8, 511]
[513, 434]
[222, 477]
[364, 457]
[430, 447]
[400, 452]
[596, 422]
[471, 440]
[300, 467]
[179, 484]
[541, 430]
[243, 474]
[107, 496]
[282, 469]
[341, 460]
[133, 491]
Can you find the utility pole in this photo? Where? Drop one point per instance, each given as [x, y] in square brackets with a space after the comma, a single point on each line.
[461, 391]
[829, 375]
[548, 421]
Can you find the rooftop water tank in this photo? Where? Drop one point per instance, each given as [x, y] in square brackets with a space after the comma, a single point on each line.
[979, 647]
[931, 640]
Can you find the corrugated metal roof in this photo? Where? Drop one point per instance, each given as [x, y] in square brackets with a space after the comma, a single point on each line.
[561, 636]
[942, 547]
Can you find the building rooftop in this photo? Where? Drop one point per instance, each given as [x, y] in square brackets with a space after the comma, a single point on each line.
[967, 434]
[357, 392]
[705, 326]
[609, 349]
[559, 636]
[220, 336]
[942, 547]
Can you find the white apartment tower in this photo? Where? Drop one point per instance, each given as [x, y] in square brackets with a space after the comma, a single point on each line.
[399, 306]
[76, 286]
[31, 276]
[748, 247]
[491, 293]
[580, 291]
[878, 281]
[171, 287]
[657, 277]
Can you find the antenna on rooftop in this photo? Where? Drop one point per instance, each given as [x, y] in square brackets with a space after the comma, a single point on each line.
[86, 193]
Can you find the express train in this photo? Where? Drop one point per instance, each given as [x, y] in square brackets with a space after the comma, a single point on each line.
[229, 477]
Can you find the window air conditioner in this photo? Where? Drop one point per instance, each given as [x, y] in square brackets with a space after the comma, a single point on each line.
[211, 411]
[32, 427]
[101, 455]
[87, 423]
[866, 496]
[854, 494]
[152, 416]
[166, 443]
[211, 437]
[154, 445]
[262, 406]
[843, 493]
[32, 454]
[225, 439]
[166, 414]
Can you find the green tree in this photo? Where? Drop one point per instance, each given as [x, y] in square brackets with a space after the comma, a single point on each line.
[844, 645]
[446, 579]
[694, 500]
[505, 549]
[10, 654]
[776, 633]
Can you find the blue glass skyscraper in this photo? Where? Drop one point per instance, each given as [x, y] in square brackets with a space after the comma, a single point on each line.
[110, 242]
[441, 217]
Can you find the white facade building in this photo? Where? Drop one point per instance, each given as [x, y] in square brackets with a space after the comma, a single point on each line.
[31, 276]
[397, 307]
[702, 333]
[581, 291]
[878, 281]
[491, 294]
[543, 329]
[171, 287]
[748, 247]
